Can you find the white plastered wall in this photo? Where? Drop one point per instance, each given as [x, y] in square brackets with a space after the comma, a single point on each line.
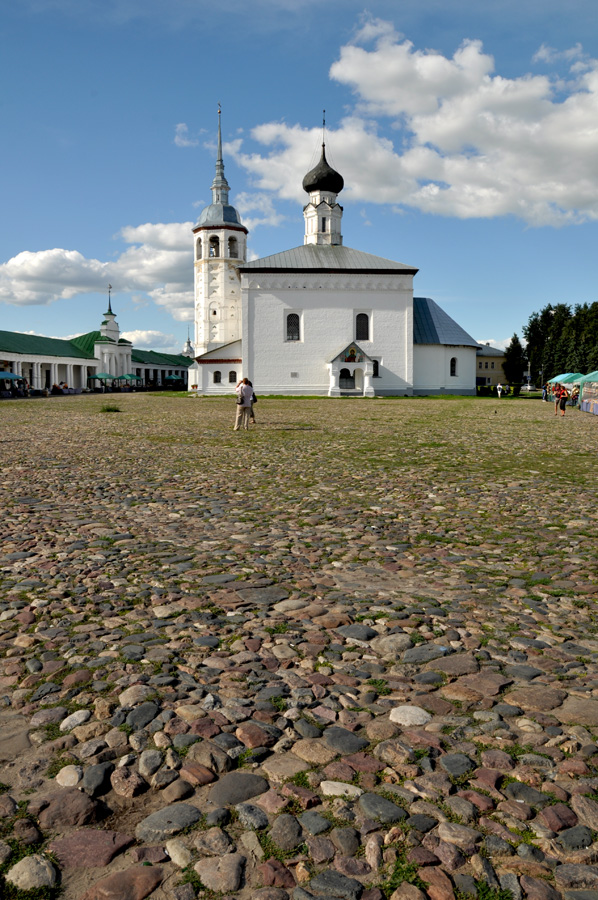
[327, 305]
[432, 367]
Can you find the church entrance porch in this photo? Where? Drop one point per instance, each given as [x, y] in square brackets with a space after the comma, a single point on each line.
[351, 373]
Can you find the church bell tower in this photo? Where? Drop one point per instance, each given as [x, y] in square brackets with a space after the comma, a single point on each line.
[220, 247]
[323, 214]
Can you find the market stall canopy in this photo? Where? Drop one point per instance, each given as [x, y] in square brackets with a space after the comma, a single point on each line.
[591, 376]
[10, 376]
[558, 379]
[572, 378]
[103, 375]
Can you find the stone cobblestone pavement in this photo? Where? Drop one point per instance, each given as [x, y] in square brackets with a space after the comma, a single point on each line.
[350, 654]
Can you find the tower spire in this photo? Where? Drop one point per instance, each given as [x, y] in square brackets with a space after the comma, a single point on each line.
[220, 186]
[109, 303]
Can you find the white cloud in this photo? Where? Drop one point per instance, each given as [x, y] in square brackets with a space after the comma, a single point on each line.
[469, 142]
[262, 205]
[181, 136]
[38, 278]
[152, 340]
[550, 55]
[158, 263]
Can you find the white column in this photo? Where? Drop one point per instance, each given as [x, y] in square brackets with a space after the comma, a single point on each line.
[37, 375]
[53, 374]
[16, 367]
[334, 390]
[69, 374]
[368, 390]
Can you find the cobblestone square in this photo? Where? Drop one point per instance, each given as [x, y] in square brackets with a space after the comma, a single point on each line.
[350, 653]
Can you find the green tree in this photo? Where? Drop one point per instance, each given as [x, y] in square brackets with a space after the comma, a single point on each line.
[536, 334]
[514, 364]
[560, 340]
[554, 357]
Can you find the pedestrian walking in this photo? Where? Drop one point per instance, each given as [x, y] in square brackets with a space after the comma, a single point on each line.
[499, 389]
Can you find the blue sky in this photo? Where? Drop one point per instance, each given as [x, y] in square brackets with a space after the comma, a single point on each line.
[466, 132]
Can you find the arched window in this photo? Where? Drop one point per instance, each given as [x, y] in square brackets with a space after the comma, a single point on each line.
[293, 327]
[362, 327]
[232, 377]
[453, 365]
[233, 250]
[217, 377]
[214, 246]
[198, 249]
[376, 373]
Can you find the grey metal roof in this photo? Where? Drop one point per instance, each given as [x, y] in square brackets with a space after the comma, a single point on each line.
[326, 258]
[218, 214]
[485, 350]
[431, 325]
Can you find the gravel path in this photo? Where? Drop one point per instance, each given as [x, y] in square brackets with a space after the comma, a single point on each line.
[350, 654]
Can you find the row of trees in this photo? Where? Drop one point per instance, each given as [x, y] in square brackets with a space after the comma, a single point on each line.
[559, 339]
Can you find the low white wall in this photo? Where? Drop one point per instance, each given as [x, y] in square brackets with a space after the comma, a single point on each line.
[432, 366]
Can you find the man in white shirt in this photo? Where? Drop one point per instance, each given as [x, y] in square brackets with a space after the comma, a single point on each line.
[244, 397]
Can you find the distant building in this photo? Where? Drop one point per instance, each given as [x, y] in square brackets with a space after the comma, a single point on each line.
[321, 318]
[489, 362]
[44, 362]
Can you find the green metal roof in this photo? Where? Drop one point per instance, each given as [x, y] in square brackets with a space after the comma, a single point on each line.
[151, 357]
[86, 341]
[36, 345]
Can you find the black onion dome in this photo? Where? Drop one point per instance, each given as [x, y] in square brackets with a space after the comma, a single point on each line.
[323, 178]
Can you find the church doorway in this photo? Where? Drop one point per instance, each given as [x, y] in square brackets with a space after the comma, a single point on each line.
[346, 380]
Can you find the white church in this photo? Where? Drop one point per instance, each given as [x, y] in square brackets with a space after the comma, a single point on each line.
[320, 319]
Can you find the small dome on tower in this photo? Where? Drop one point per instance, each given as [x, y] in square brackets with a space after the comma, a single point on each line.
[323, 177]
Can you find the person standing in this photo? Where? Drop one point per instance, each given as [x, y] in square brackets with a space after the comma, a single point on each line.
[499, 389]
[563, 397]
[244, 396]
[556, 396]
[253, 401]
